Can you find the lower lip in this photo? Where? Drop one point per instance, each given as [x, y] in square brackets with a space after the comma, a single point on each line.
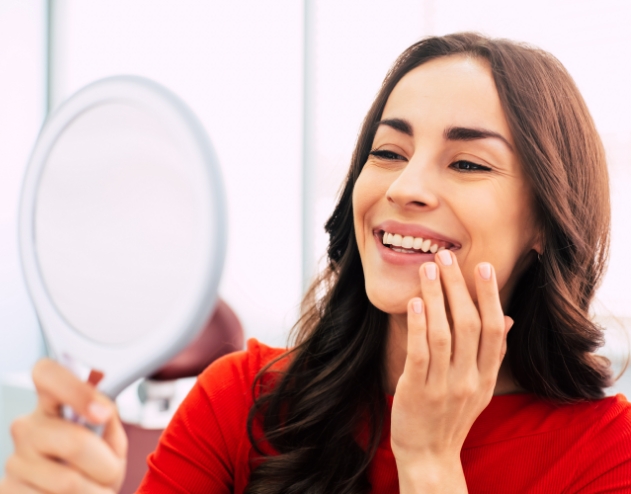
[388, 255]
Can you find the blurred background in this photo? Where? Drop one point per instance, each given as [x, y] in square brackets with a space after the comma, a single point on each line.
[281, 87]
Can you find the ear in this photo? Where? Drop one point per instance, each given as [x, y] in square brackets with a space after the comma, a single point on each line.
[538, 243]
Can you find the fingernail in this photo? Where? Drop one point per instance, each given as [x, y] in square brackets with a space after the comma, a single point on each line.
[99, 411]
[485, 270]
[445, 257]
[430, 270]
[417, 305]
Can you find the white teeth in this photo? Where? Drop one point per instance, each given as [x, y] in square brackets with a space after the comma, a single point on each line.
[407, 243]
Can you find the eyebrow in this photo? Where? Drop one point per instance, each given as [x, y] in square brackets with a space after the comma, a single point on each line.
[451, 133]
[468, 134]
[397, 124]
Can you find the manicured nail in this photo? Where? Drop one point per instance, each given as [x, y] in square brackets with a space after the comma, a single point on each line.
[430, 270]
[445, 257]
[417, 305]
[99, 411]
[485, 270]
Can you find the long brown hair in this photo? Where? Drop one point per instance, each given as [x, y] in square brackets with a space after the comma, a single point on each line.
[333, 385]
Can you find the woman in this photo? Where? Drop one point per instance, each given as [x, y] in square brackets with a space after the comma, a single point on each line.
[476, 203]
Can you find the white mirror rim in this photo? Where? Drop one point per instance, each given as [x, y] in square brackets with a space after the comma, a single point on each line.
[54, 278]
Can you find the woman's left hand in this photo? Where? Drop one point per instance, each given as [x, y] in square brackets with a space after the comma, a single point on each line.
[449, 374]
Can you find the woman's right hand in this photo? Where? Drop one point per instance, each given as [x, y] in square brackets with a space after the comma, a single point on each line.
[53, 455]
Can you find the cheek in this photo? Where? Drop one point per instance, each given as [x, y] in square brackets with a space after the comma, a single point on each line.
[367, 194]
[501, 232]
[388, 287]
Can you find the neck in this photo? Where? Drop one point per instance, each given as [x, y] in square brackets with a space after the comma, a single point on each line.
[396, 353]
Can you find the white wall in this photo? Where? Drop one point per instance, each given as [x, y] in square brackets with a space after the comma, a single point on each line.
[238, 64]
[22, 109]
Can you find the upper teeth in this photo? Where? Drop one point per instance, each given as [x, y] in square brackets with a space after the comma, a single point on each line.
[409, 242]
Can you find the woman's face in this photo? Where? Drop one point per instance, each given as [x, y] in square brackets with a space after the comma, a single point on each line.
[442, 169]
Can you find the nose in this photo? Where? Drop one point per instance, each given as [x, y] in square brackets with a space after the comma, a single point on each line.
[416, 186]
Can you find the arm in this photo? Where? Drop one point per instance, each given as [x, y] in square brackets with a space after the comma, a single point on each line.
[441, 393]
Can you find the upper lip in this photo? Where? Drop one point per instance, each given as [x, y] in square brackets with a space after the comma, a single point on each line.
[406, 229]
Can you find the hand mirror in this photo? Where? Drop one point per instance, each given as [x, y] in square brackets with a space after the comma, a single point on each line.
[122, 229]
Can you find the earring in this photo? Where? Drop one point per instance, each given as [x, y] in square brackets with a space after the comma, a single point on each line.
[538, 257]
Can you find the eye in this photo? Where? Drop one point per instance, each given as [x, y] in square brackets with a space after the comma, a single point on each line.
[468, 166]
[386, 155]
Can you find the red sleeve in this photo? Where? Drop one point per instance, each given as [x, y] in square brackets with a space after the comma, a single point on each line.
[205, 447]
[609, 452]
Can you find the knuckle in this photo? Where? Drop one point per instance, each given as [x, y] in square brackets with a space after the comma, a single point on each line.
[114, 475]
[75, 449]
[488, 382]
[496, 330]
[69, 482]
[469, 324]
[20, 428]
[436, 396]
[11, 466]
[41, 369]
[441, 341]
[418, 357]
[465, 388]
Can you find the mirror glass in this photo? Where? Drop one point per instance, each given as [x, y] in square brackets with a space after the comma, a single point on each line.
[116, 222]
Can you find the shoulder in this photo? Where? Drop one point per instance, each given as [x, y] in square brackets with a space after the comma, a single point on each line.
[235, 373]
[603, 452]
[610, 422]
[205, 447]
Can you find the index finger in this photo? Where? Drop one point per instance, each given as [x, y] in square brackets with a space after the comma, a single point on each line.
[57, 386]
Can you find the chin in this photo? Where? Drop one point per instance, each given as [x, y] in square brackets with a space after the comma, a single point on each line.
[390, 301]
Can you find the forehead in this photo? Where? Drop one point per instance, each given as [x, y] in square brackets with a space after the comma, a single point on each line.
[449, 91]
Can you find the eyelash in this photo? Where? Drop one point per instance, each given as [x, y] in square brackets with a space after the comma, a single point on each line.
[470, 166]
[478, 168]
[386, 155]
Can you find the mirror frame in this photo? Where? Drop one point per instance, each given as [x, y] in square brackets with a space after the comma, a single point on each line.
[145, 355]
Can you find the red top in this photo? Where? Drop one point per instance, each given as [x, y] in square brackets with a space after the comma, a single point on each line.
[519, 443]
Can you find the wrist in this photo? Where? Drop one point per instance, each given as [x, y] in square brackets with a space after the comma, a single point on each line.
[431, 475]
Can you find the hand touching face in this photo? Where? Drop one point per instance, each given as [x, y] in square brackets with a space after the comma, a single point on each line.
[442, 174]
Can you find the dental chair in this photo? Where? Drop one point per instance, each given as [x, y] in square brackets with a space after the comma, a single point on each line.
[158, 393]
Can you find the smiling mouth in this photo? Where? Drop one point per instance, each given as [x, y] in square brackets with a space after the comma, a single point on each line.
[406, 244]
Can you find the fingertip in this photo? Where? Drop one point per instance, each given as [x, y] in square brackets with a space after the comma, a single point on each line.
[485, 270]
[429, 270]
[416, 304]
[99, 412]
[41, 368]
[509, 323]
